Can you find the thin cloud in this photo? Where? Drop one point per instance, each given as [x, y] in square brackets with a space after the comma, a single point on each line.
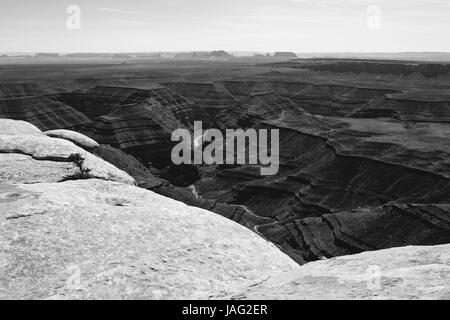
[114, 10]
[132, 22]
[226, 23]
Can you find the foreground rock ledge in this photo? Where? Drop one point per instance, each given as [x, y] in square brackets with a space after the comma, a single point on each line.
[96, 239]
[415, 272]
[29, 156]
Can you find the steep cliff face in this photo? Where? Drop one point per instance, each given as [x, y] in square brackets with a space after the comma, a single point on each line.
[36, 105]
[137, 121]
[325, 174]
[363, 102]
[428, 70]
[332, 166]
[217, 107]
[363, 229]
[18, 90]
[150, 179]
[405, 109]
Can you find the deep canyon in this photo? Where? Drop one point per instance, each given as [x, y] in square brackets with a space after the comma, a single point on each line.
[364, 145]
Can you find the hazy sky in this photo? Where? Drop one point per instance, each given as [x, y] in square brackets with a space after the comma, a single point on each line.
[255, 25]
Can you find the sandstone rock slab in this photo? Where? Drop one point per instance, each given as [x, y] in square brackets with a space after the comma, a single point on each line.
[96, 239]
[13, 127]
[79, 139]
[28, 156]
[413, 272]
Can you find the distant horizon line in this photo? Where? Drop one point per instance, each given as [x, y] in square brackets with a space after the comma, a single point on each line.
[228, 51]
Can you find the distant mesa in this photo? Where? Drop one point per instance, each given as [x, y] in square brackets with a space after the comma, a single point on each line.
[197, 55]
[85, 55]
[122, 56]
[183, 55]
[151, 55]
[276, 55]
[219, 54]
[26, 56]
[46, 55]
[281, 54]
[138, 55]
